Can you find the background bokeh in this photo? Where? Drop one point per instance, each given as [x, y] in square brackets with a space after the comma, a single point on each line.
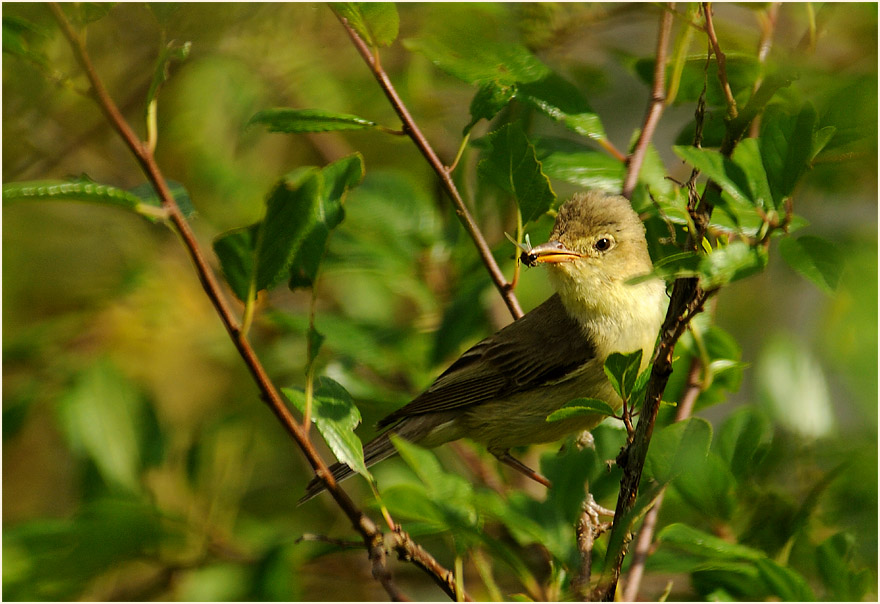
[110, 344]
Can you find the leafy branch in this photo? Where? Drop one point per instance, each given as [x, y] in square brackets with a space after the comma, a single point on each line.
[372, 536]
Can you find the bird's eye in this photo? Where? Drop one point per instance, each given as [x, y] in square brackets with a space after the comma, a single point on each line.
[603, 244]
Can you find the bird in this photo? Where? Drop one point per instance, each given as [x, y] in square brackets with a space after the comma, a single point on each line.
[500, 391]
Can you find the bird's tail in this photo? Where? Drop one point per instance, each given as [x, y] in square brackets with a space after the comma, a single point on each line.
[374, 451]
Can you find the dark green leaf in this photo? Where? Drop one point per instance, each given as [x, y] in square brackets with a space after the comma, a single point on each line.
[235, 250]
[815, 258]
[677, 447]
[89, 12]
[561, 100]
[315, 339]
[834, 561]
[336, 416]
[623, 371]
[580, 407]
[747, 156]
[670, 268]
[787, 143]
[708, 486]
[731, 263]
[783, 582]
[741, 439]
[19, 36]
[512, 165]
[491, 98]
[337, 178]
[296, 121]
[102, 415]
[376, 22]
[742, 71]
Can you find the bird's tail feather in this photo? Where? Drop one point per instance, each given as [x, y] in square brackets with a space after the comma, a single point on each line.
[374, 451]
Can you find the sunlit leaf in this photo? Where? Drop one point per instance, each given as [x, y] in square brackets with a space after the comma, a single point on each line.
[561, 100]
[581, 407]
[336, 416]
[376, 22]
[731, 263]
[623, 371]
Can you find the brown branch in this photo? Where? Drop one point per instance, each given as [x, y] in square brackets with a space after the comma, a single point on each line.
[372, 536]
[655, 107]
[445, 175]
[721, 59]
[409, 551]
[645, 539]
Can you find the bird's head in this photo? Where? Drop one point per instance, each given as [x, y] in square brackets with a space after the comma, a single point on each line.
[597, 240]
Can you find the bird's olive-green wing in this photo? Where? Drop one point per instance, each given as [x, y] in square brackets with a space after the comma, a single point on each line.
[542, 347]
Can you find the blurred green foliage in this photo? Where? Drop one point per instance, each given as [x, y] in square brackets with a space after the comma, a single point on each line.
[138, 460]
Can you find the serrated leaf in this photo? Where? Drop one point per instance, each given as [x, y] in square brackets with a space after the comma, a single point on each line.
[623, 371]
[336, 416]
[787, 145]
[511, 164]
[731, 263]
[718, 168]
[815, 258]
[82, 190]
[235, 249]
[561, 100]
[676, 447]
[581, 407]
[295, 121]
[376, 22]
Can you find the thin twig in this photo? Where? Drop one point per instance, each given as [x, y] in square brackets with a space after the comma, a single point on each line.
[768, 28]
[409, 551]
[655, 107]
[721, 59]
[412, 129]
[372, 536]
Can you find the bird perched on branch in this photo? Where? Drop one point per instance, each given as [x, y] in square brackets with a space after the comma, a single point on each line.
[500, 391]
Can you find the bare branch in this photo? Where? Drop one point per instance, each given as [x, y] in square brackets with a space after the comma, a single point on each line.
[655, 106]
[444, 173]
[721, 59]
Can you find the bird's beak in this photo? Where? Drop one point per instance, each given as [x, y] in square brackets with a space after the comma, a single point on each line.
[551, 252]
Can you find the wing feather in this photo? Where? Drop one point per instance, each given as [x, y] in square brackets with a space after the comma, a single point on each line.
[542, 347]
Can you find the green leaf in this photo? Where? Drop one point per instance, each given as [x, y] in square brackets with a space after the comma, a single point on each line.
[834, 561]
[336, 416]
[747, 156]
[561, 100]
[580, 407]
[89, 12]
[741, 439]
[742, 71]
[783, 582]
[623, 371]
[723, 171]
[297, 121]
[787, 146]
[376, 22]
[464, 52]
[695, 541]
[677, 447]
[148, 195]
[19, 36]
[580, 166]
[338, 178]
[491, 98]
[512, 165]
[80, 190]
[817, 259]
[708, 486]
[102, 416]
[731, 263]
[235, 249]
[173, 52]
[57, 559]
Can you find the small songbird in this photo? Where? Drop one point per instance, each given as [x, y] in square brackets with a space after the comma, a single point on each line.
[500, 391]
